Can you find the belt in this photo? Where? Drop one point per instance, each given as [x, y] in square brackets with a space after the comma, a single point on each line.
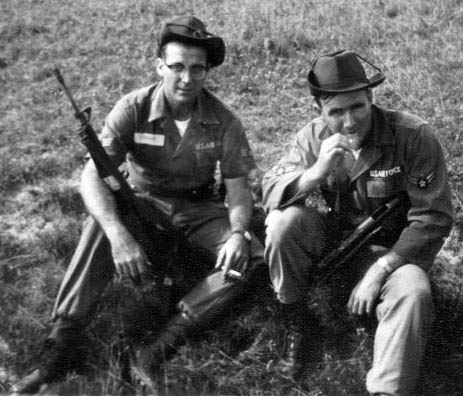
[196, 194]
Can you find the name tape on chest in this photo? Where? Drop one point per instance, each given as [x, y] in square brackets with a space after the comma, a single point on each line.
[385, 172]
[205, 145]
[152, 139]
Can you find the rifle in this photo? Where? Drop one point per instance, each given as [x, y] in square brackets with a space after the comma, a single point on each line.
[161, 245]
[212, 296]
[364, 232]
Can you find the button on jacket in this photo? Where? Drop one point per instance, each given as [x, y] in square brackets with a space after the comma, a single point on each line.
[401, 156]
[160, 161]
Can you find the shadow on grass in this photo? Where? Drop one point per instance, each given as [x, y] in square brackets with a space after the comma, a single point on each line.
[238, 357]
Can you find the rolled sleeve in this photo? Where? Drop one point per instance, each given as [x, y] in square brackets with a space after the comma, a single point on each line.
[117, 134]
[237, 159]
[430, 216]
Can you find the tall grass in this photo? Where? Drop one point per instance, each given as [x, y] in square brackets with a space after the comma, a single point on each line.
[107, 48]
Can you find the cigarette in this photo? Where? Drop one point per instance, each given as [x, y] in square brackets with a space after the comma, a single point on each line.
[234, 274]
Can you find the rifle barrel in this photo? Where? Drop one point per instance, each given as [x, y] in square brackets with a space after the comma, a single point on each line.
[364, 232]
[60, 79]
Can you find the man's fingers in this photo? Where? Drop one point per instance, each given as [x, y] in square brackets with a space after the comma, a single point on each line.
[120, 269]
[352, 299]
[362, 308]
[142, 267]
[226, 264]
[350, 306]
[339, 151]
[133, 272]
[242, 263]
[243, 267]
[369, 308]
[220, 258]
[337, 141]
[357, 308]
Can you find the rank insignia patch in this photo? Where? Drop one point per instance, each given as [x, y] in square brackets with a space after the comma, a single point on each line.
[422, 182]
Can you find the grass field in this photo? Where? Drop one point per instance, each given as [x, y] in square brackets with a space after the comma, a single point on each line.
[106, 48]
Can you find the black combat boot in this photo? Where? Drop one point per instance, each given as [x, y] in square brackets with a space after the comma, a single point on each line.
[60, 355]
[299, 343]
[148, 358]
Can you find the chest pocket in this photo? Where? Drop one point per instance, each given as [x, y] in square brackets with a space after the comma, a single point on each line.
[380, 188]
[380, 184]
[207, 154]
[150, 149]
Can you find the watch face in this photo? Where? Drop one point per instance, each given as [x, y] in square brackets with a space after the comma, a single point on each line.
[246, 234]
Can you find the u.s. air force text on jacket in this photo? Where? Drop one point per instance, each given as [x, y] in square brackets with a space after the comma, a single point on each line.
[401, 156]
[141, 130]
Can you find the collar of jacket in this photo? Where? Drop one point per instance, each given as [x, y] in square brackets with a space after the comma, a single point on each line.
[381, 135]
[160, 109]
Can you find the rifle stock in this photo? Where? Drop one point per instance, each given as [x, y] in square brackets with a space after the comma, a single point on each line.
[364, 232]
[166, 239]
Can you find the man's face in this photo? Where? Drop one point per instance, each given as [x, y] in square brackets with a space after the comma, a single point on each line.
[349, 114]
[182, 87]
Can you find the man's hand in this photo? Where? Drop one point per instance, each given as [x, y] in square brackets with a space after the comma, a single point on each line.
[366, 292]
[234, 254]
[129, 258]
[332, 152]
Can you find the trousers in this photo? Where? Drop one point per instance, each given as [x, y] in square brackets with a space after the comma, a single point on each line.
[91, 268]
[298, 237]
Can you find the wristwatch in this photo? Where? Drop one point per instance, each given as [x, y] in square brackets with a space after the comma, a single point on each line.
[383, 263]
[245, 234]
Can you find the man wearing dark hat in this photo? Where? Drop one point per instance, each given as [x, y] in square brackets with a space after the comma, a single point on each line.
[358, 156]
[173, 136]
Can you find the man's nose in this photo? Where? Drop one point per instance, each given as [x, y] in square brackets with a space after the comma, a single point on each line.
[349, 121]
[186, 75]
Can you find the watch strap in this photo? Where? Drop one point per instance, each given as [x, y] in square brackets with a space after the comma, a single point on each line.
[246, 235]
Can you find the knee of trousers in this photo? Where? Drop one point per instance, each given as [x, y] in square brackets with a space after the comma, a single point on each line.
[284, 226]
[411, 289]
[418, 299]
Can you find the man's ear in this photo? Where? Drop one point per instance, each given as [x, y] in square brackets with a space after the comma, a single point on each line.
[316, 108]
[370, 95]
[159, 67]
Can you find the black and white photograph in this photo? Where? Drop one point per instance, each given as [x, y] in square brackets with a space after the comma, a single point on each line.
[231, 198]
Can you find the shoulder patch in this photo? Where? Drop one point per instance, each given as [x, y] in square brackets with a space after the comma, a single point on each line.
[423, 181]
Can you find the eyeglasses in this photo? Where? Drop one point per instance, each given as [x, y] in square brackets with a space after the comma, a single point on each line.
[198, 72]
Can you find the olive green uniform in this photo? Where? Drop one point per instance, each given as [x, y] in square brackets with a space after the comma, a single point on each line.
[400, 157]
[172, 173]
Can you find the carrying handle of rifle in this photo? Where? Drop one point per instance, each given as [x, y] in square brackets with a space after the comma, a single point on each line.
[85, 115]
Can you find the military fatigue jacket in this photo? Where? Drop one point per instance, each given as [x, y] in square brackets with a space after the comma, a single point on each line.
[401, 157]
[141, 130]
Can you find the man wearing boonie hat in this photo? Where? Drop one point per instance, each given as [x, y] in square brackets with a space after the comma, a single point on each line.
[173, 136]
[358, 155]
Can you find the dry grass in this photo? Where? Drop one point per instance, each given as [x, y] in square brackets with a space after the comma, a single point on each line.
[105, 49]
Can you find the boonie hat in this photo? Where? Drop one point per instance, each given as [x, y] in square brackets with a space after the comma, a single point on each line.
[341, 72]
[190, 30]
